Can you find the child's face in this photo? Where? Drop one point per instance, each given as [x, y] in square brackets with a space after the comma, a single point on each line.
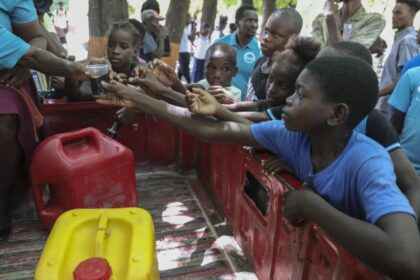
[219, 69]
[120, 50]
[307, 109]
[276, 34]
[280, 84]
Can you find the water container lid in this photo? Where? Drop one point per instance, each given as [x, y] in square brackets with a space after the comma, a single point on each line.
[93, 269]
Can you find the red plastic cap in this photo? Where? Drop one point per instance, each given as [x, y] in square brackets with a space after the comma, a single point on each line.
[93, 269]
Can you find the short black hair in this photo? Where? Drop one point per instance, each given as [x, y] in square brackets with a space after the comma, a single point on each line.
[130, 28]
[240, 12]
[352, 49]
[292, 16]
[348, 80]
[297, 53]
[414, 4]
[225, 48]
[139, 26]
[151, 5]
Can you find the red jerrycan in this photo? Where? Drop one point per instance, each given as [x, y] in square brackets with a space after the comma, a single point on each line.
[82, 169]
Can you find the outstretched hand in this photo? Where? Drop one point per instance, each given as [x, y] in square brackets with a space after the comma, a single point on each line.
[221, 95]
[164, 73]
[201, 102]
[294, 205]
[148, 82]
[119, 94]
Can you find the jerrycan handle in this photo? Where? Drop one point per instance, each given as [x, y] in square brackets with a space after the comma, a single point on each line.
[72, 141]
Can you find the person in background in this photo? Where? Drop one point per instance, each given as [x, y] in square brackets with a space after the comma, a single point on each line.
[154, 39]
[61, 23]
[184, 50]
[280, 26]
[203, 43]
[403, 49]
[142, 31]
[246, 45]
[151, 5]
[232, 28]
[415, 61]
[351, 22]
[218, 32]
[405, 100]
[22, 46]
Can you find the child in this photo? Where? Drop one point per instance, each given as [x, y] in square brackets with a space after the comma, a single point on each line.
[353, 194]
[122, 47]
[220, 67]
[280, 26]
[284, 70]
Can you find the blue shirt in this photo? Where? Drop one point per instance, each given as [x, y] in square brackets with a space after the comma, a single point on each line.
[360, 182]
[403, 49]
[245, 60]
[12, 48]
[414, 62]
[406, 98]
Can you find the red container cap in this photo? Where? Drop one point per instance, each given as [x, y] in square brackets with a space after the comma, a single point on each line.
[93, 269]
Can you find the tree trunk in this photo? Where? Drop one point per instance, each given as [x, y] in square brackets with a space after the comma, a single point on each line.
[247, 2]
[101, 16]
[176, 19]
[209, 12]
[269, 6]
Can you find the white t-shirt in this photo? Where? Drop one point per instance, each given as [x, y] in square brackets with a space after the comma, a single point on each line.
[183, 45]
[202, 46]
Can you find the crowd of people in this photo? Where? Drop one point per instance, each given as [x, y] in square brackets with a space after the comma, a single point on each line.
[309, 100]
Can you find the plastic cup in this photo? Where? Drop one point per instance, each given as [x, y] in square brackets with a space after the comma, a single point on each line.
[98, 72]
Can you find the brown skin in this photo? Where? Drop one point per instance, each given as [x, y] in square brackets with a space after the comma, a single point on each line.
[347, 11]
[391, 246]
[402, 16]
[247, 27]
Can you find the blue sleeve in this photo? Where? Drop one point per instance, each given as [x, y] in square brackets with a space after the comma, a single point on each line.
[401, 96]
[274, 136]
[12, 48]
[379, 193]
[23, 12]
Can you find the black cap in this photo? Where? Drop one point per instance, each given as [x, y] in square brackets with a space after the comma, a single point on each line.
[43, 6]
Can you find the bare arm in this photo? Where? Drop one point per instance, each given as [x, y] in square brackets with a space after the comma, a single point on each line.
[391, 246]
[53, 44]
[31, 32]
[242, 106]
[387, 90]
[204, 128]
[255, 117]
[397, 120]
[47, 63]
[407, 178]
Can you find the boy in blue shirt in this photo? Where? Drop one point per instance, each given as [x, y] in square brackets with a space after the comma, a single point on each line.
[405, 119]
[353, 194]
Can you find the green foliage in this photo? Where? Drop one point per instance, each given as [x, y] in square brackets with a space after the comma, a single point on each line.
[259, 3]
[131, 10]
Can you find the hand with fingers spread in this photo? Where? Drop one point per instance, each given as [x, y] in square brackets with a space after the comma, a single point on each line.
[148, 83]
[16, 76]
[222, 95]
[294, 205]
[119, 94]
[140, 71]
[164, 73]
[274, 165]
[201, 102]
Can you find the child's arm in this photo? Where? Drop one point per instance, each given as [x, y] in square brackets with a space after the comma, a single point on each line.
[242, 106]
[166, 75]
[407, 178]
[205, 129]
[203, 103]
[255, 117]
[391, 246]
[222, 95]
[397, 120]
